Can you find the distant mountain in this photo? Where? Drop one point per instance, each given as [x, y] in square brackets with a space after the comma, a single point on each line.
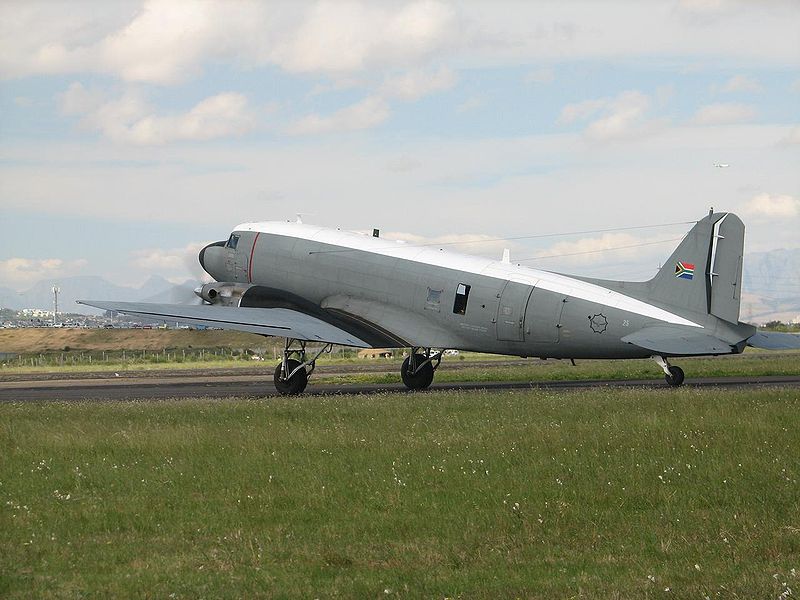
[155, 289]
[8, 298]
[771, 286]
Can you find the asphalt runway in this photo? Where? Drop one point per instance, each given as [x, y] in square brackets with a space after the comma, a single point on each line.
[249, 386]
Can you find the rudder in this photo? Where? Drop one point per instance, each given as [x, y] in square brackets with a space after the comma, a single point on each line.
[704, 274]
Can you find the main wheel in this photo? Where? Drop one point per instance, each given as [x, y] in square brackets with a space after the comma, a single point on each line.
[295, 384]
[422, 378]
[675, 377]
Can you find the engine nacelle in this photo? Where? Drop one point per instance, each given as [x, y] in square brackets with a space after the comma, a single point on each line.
[222, 293]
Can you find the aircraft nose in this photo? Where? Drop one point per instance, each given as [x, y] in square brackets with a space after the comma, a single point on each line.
[210, 258]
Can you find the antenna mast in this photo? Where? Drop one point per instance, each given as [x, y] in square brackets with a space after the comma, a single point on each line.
[56, 290]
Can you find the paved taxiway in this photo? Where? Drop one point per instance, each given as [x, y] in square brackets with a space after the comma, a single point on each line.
[249, 386]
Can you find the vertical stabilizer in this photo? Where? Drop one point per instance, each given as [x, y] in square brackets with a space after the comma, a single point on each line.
[704, 274]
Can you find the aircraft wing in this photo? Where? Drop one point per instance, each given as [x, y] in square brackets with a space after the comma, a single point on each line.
[278, 322]
[677, 341]
[772, 340]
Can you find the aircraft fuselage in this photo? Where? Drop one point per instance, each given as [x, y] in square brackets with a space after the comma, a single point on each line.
[429, 297]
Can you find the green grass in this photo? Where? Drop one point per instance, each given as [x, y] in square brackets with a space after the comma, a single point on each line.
[751, 363]
[609, 493]
[78, 362]
[744, 365]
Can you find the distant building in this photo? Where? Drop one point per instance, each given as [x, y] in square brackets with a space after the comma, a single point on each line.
[36, 313]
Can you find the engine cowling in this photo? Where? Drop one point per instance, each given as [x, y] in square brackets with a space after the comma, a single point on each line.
[222, 293]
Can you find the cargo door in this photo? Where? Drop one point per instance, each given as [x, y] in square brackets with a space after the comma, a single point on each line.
[511, 311]
[543, 318]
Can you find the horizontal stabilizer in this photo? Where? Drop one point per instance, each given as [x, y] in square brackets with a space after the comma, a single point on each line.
[677, 341]
[772, 340]
[278, 322]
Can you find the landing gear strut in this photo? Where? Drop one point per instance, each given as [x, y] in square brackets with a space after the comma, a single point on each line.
[418, 368]
[292, 373]
[672, 375]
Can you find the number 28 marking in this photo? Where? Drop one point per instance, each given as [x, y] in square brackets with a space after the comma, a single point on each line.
[626, 323]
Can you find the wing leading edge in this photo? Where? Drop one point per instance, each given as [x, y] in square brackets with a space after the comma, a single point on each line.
[278, 322]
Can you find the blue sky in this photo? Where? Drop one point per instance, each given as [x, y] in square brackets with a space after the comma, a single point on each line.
[132, 133]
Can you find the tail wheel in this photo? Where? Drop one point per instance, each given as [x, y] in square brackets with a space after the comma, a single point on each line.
[422, 378]
[675, 377]
[293, 385]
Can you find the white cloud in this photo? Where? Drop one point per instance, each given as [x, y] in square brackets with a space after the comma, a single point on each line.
[742, 83]
[468, 243]
[792, 138]
[795, 87]
[130, 119]
[20, 272]
[661, 178]
[403, 164]
[470, 104]
[701, 6]
[625, 116]
[156, 41]
[578, 111]
[416, 84]
[723, 113]
[176, 264]
[23, 101]
[168, 41]
[542, 76]
[369, 112]
[78, 100]
[341, 37]
[593, 249]
[772, 207]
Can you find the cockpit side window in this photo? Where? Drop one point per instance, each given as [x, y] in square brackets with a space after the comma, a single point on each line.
[232, 241]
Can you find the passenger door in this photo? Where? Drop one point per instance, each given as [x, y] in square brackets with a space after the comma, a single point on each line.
[511, 311]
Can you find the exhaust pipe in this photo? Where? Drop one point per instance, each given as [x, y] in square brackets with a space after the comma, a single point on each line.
[222, 293]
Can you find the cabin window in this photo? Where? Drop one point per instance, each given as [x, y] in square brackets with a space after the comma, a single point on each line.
[433, 300]
[232, 242]
[462, 295]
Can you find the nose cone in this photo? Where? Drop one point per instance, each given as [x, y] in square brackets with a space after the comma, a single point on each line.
[212, 261]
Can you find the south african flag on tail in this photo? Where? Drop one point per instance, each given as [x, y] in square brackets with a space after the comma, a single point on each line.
[684, 270]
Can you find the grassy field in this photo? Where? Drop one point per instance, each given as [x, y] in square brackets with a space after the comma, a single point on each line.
[747, 365]
[606, 493]
[456, 369]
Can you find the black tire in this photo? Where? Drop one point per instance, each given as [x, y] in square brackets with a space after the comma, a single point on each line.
[422, 378]
[296, 384]
[675, 377]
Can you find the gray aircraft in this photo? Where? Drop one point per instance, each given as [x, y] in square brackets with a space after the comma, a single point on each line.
[310, 284]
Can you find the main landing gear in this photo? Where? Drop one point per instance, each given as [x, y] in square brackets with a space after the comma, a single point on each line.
[292, 373]
[418, 368]
[673, 375]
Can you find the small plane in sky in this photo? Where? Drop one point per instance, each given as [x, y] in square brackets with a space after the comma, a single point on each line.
[721, 165]
[311, 284]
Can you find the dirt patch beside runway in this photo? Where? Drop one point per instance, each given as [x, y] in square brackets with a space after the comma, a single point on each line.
[53, 339]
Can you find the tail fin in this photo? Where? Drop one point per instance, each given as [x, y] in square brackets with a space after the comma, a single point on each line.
[704, 274]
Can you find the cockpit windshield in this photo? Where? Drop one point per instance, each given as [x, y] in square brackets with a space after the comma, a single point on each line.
[232, 241]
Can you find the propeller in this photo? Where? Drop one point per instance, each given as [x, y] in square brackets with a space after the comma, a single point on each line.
[185, 293]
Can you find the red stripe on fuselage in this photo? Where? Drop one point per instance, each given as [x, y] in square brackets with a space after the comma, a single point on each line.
[250, 264]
